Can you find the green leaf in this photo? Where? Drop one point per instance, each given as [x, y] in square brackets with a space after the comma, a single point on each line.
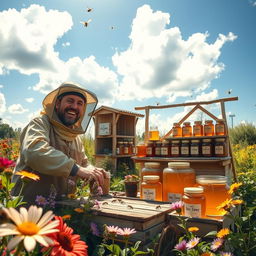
[212, 233]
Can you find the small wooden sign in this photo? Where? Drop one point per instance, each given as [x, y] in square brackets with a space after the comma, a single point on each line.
[104, 129]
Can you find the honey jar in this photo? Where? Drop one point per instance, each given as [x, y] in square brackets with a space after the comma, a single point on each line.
[195, 148]
[141, 150]
[220, 127]
[151, 188]
[176, 130]
[215, 192]
[126, 148]
[220, 148]
[207, 149]
[165, 149]
[153, 133]
[175, 148]
[208, 128]
[158, 148]
[150, 149]
[119, 148]
[175, 177]
[152, 168]
[186, 129]
[194, 202]
[184, 148]
[197, 129]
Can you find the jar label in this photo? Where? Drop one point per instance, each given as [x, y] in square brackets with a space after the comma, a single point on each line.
[184, 151]
[164, 151]
[206, 150]
[175, 131]
[158, 151]
[220, 128]
[219, 150]
[186, 130]
[194, 150]
[208, 129]
[117, 151]
[149, 151]
[126, 150]
[193, 210]
[149, 193]
[175, 150]
[174, 197]
[197, 130]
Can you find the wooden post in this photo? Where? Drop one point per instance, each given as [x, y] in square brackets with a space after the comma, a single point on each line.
[146, 136]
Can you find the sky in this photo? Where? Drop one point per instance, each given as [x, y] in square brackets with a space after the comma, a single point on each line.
[132, 53]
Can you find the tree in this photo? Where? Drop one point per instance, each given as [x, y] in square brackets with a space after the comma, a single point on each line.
[6, 131]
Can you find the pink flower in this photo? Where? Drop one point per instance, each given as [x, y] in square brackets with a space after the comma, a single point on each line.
[182, 246]
[216, 244]
[126, 231]
[112, 230]
[5, 163]
[176, 206]
[193, 242]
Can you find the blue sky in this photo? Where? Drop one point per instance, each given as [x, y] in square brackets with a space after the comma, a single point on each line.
[133, 53]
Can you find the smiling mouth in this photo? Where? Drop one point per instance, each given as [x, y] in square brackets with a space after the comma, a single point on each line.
[71, 113]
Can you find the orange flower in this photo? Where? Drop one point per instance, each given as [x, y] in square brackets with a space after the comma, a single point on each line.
[224, 205]
[66, 217]
[79, 210]
[207, 254]
[193, 229]
[223, 232]
[71, 196]
[237, 202]
[30, 175]
[234, 187]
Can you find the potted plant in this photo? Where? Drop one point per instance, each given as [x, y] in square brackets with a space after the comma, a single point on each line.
[131, 183]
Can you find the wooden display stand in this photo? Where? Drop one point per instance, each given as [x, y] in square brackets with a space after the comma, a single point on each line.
[202, 165]
[111, 125]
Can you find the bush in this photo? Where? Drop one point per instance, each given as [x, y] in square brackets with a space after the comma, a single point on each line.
[243, 134]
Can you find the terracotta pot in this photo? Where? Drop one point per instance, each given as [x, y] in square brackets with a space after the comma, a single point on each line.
[131, 188]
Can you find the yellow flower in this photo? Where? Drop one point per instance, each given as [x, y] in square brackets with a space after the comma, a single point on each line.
[71, 196]
[29, 226]
[223, 232]
[193, 229]
[79, 210]
[224, 205]
[30, 175]
[237, 202]
[234, 187]
[207, 254]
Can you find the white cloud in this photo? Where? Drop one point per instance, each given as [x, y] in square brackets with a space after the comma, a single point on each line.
[66, 44]
[16, 109]
[1, 86]
[34, 114]
[159, 63]
[29, 100]
[29, 36]
[2, 103]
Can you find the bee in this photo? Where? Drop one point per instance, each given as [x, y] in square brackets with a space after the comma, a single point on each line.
[158, 207]
[121, 201]
[129, 206]
[104, 203]
[89, 9]
[114, 201]
[229, 91]
[86, 23]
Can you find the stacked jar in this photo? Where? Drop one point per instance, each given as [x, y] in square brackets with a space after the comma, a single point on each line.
[176, 177]
[151, 188]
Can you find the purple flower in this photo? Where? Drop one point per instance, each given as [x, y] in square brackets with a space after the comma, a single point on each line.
[176, 206]
[94, 229]
[216, 244]
[40, 200]
[96, 204]
[193, 242]
[181, 246]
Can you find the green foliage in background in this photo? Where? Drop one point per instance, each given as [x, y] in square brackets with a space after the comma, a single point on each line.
[243, 134]
[88, 143]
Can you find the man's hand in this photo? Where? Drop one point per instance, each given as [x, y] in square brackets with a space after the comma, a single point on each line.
[92, 173]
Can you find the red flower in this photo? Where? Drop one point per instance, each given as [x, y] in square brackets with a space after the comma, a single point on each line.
[65, 242]
[5, 163]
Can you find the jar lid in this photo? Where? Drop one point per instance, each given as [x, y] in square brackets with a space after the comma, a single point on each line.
[195, 141]
[198, 122]
[220, 120]
[165, 142]
[176, 141]
[152, 165]
[194, 190]
[211, 179]
[186, 123]
[178, 164]
[185, 141]
[220, 139]
[151, 177]
[207, 140]
[175, 124]
[159, 142]
[208, 121]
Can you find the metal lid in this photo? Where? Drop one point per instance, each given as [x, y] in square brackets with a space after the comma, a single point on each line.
[194, 190]
[195, 141]
[211, 179]
[198, 122]
[176, 124]
[179, 165]
[208, 121]
[186, 123]
[152, 165]
[151, 177]
[207, 140]
[220, 139]
[175, 141]
[185, 141]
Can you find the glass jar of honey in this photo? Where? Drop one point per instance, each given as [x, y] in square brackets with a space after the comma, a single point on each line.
[197, 129]
[119, 148]
[186, 129]
[220, 148]
[152, 168]
[195, 148]
[220, 127]
[175, 177]
[215, 192]
[194, 202]
[153, 133]
[184, 148]
[176, 130]
[208, 128]
[126, 148]
[175, 148]
[207, 148]
[158, 148]
[150, 149]
[151, 188]
[141, 150]
[165, 149]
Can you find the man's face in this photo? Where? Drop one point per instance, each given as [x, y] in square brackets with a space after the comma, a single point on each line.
[69, 109]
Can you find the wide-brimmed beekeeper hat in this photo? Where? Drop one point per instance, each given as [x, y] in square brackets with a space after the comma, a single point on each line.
[70, 88]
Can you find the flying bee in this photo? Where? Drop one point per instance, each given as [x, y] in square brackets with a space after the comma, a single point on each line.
[129, 206]
[86, 23]
[89, 9]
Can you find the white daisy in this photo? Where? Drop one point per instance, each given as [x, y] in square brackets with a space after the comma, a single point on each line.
[29, 226]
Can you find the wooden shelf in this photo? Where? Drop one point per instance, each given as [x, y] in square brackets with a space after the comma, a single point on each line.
[113, 156]
[117, 136]
[196, 138]
[176, 159]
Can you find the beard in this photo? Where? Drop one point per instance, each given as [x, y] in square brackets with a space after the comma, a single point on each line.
[67, 120]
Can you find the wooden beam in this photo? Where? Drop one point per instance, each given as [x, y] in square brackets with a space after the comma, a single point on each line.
[187, 104]
[208, 113]
[146, 125]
